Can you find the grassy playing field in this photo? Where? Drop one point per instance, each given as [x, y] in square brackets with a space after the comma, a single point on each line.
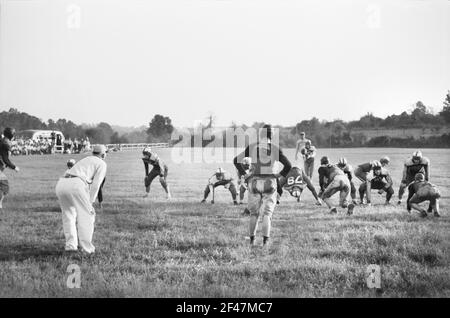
[182, 248]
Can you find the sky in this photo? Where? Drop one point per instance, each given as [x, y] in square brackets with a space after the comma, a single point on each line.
[277, 61]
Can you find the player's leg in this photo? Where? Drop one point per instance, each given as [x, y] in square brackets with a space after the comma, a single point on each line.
[414, 204]
[362, 191]
[64, 190]
[353, 192]
[344, 191]
[280, 183]
[269, 201]
[232, 189]
[149, 179]
[254, 204]
[332, 188]
[401, 191]
[435, 205]
[389, 194]
[4, 188]
[163, 181]
[242, 190]
[206, 192]
[85, 218]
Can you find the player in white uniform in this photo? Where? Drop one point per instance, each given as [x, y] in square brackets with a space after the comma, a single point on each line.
[242, 183]
[220, 178]
[76, 193]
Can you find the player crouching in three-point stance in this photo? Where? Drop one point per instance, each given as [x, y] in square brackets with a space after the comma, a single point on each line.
[332, 179]
[348, 170]
[380, 180]
[76, 193]
[5, 162]
[295, 183]
[159, 169]
[363, 170]
[220, 178]
[414, 165]
[421, 190]
[262, 180]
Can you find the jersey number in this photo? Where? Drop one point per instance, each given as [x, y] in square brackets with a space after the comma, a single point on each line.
[294, 180]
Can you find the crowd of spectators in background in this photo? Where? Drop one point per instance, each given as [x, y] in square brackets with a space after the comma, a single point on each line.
[41, 146]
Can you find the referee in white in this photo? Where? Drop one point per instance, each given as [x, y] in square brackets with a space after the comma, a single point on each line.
[76, 193]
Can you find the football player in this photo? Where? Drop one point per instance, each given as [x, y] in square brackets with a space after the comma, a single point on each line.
[220, 178]
[421, 190]
[242, 184]
[295, 183]
[414, 165]
[5, 162]
[309, 153]
[348, 170]
[363, 170]
[159, 169]
[380, 180]
[262, 180]
[332, 179]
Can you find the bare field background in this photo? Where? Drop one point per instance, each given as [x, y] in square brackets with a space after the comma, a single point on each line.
[181, 248]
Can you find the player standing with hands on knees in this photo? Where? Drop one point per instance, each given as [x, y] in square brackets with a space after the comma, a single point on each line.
[5, 162]
[76, 193]
[262, 180]
[159, 169]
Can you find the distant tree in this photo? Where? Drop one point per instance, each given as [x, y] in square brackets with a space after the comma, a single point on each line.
[160, 128]
[445, 113]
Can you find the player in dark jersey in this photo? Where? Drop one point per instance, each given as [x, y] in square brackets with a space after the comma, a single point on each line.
[242, 184]
[262, 179]
[331, 180]
[220, 178]
[5, 162]
[414, 165]
[296, 181]
[159, 169]
[421, 190]
[348, 170]
[379, 180]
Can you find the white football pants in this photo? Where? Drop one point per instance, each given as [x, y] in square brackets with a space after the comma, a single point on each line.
[78, 215]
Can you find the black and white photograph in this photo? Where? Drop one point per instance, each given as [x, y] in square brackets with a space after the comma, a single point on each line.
[235, 151]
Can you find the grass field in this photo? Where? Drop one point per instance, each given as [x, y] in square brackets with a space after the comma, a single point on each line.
[182, 248]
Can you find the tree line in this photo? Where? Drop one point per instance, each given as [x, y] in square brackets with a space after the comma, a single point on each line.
[336, 133]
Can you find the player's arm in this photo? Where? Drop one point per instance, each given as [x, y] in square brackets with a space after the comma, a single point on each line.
[405, 168]
[389, 182]
[6, 152]
[145, 167]
[411, 191]
[310, 186]
[285, 162]
[313, 152]
[322, 179]
[297, 149]
[238, 159]
[97, 181]
[427, 171]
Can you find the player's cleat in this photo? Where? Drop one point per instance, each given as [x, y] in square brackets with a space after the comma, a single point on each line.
[252, 240]
[212, 201]
[355, 202]
[351, 207]
[345, 205]
[203, 201]
[278, 201]
[436, 214]
[235, 203]
[145, 195]
[169, 196]
[318, 203]
[423, 213]
[333, 210]
[430, 209]
[399, 202]
[246, 212]
[368, 204]
[241, 202]
[387, 203]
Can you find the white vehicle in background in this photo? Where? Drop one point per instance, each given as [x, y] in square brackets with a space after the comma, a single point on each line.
[55, 137]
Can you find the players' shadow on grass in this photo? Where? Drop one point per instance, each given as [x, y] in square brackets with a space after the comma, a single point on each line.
[23, 252]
